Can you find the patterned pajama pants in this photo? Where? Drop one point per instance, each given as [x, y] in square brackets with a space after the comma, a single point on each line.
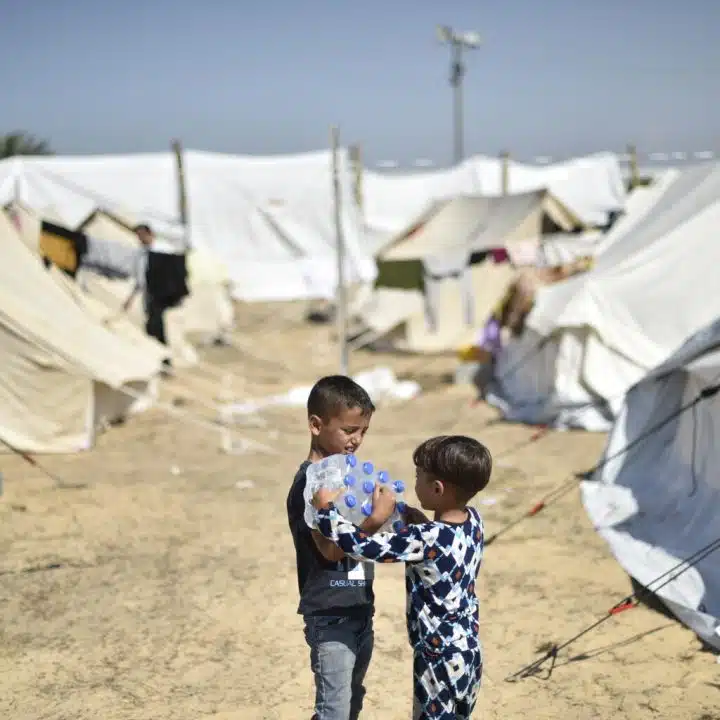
[447, 686]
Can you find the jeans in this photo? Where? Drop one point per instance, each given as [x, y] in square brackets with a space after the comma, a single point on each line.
[340, 652]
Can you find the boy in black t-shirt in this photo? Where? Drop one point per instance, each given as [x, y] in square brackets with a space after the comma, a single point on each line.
[336, 593]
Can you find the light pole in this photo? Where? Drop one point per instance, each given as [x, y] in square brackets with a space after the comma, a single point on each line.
[458, 42]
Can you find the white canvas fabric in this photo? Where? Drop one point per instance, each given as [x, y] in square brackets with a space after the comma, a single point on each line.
[270, 220]
[62, 371]
[591, 187]
[563, 248]
[652, 287]
[451, 230]
[657, 504]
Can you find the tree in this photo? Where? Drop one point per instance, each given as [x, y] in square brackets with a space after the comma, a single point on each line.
[22, 143]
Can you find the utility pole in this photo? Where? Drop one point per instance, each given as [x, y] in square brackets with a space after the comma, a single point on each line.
[341, 293]
[458, 42]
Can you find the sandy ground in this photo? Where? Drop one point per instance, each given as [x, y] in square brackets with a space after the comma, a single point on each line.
[175, 594]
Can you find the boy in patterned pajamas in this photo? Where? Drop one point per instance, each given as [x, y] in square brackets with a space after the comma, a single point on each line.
[442, 557]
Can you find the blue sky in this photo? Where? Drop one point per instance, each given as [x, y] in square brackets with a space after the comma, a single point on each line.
[554, 77]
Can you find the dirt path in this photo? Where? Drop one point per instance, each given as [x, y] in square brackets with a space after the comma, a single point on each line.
[176, 594]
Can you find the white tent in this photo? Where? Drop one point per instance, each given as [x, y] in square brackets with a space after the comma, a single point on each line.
[590, 187]
[658, 504]
[63, 373]
[589, 338]
[270, 220]
[435, 263]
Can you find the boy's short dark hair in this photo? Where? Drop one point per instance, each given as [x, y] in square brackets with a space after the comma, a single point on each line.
[458, 460]
[333, 394]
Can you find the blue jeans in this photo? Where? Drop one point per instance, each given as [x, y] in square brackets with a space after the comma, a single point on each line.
[340, 652]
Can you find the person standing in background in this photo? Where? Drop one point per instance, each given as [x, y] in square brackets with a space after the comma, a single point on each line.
[153, 307]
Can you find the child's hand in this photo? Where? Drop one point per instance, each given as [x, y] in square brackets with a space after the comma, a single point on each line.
[383, 504]
[323, 497]
[413, 516]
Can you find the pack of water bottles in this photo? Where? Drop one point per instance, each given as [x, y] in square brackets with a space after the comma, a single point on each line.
[357, 483]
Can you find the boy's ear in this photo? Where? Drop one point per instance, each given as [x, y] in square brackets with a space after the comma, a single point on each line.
[315, 424]
[438, 488]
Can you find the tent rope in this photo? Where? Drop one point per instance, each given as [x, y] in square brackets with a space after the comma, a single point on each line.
[60, 484]
[627, 603]
[570, 483]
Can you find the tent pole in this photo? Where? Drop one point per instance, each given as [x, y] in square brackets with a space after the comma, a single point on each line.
[505, 172]
[357, 166]
[341, 297]
[634, 171]
[182, 191]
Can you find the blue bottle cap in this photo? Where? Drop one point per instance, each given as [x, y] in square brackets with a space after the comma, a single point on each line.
[383, 477]
[368, 486]
[401, 507]
[366, 509]
[368, 468]
[350, 500]
[351, 460]
[399, 486]
[398, 525]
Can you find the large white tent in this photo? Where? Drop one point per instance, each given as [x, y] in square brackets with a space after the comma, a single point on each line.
[64, 374]
[270, 220]
[590, 338]
[658, 504]
[432, 289]
[591, 187]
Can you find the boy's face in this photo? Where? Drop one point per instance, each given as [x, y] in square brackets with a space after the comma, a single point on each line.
[342, 434]
[429, 490]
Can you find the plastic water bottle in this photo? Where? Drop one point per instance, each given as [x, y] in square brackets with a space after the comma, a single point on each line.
[357, 483]
[333, 473]
[397, 521]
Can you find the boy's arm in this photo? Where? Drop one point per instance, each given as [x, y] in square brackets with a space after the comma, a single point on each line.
[407, 545]
[332, 552]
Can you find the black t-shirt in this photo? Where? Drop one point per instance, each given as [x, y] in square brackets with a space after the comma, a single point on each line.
[326, 588]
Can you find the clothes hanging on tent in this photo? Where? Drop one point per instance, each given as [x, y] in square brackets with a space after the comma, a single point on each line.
[431, 296]
[62, 247]
[109, 258]
[166, 278]
[440, 269]
[500, 255]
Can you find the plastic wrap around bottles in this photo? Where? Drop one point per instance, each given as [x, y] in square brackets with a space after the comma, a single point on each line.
[357, 482]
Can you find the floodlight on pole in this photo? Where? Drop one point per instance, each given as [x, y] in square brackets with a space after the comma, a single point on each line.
[458, 42]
